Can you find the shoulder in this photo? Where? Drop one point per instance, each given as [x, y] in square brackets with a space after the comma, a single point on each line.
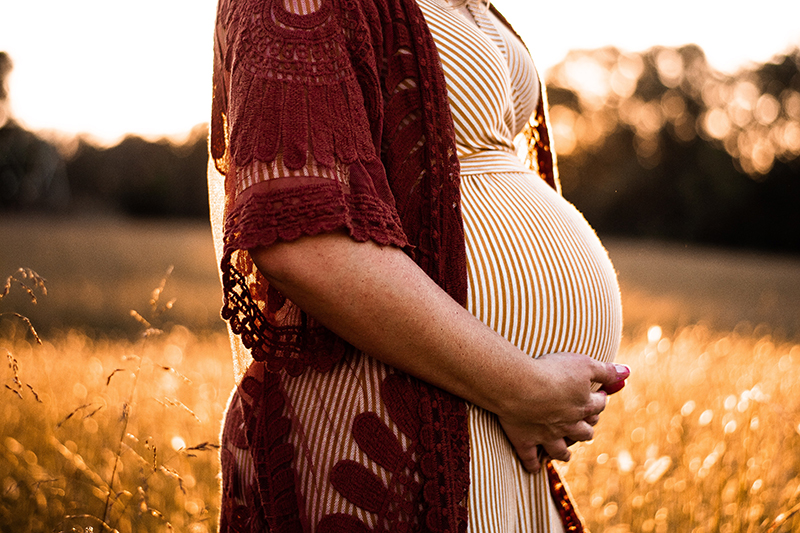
[293, 32]
[298, 16]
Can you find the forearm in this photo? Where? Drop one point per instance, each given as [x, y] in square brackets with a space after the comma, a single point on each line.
[380, 301]
[377, 299]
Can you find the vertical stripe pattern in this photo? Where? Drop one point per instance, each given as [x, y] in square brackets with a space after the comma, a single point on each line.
[538, 274]
[327, 430]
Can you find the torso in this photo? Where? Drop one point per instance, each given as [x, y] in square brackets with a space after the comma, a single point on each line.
[544, 282]
[538, 274]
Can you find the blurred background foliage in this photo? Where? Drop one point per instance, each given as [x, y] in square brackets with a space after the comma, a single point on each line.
[660, 145]
[654, 144]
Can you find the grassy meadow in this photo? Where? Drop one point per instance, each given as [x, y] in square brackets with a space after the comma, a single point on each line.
[112, 422]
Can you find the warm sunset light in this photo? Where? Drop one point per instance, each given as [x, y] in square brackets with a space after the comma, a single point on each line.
[663, 237]
[108, 68]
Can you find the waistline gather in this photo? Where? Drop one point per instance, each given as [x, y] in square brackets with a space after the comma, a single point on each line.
[491, 161]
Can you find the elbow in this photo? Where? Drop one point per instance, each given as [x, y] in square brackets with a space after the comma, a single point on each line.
[302, 260]
[275, 262]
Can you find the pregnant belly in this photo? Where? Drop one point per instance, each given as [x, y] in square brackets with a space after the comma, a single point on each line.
[538, 274]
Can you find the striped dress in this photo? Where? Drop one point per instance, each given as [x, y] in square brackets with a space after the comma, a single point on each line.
[538, 274]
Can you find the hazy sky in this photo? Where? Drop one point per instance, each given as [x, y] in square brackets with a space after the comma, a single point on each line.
[108, 67]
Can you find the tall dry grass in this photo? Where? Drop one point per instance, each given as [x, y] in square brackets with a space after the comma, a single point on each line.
[705, 438]
[110, 435]
[101, 429]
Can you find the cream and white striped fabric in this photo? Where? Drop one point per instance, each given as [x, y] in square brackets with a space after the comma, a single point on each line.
[538, 274]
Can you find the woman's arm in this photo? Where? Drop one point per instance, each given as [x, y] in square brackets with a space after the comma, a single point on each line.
[380, 301]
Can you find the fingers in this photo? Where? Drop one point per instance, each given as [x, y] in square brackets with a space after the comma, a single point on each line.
[610, 374]
[614, 387]
[596, 404]
[582, 431]
[531, 459]
[592, 420]
[557, 450]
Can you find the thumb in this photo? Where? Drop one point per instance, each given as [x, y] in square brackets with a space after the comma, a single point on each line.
[610, 373]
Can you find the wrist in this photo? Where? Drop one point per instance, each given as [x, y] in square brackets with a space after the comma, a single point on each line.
[524, 391]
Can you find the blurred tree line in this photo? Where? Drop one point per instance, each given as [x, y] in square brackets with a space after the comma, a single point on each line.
[660, 145]
[654, 144]
[32, 172]
[142, 178]
[70, 175]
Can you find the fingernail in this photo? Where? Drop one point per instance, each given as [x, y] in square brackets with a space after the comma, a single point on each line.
[614, 387]
[622, 370]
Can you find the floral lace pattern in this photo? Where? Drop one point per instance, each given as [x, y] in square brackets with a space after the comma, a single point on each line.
[357, 85]
[323, 87]
[406, 503]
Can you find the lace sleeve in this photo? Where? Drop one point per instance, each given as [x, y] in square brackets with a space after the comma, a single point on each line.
[295, 130]
[292, 114]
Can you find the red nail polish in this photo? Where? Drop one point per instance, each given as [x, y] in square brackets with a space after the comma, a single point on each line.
[613, 387]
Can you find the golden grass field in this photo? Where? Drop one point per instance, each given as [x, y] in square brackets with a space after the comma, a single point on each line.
[100, 423]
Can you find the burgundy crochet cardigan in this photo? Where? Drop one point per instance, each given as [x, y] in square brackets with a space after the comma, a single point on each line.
[339, 120]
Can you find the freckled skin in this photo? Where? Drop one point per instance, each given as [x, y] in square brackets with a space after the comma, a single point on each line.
[379, 300]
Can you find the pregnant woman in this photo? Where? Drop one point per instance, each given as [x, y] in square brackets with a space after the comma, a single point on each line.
[406, 334]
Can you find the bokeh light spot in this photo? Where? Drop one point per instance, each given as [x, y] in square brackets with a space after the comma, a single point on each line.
[717, 124]
[669, 63]
[625, 461]
[178, 443]
[767, 109]
[654, 334]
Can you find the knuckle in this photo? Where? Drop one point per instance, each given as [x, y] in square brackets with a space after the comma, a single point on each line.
[528, 454]
[583, 432]
[558, 450]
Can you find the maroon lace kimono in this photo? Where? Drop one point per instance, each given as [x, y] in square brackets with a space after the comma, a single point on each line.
[337, 119]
